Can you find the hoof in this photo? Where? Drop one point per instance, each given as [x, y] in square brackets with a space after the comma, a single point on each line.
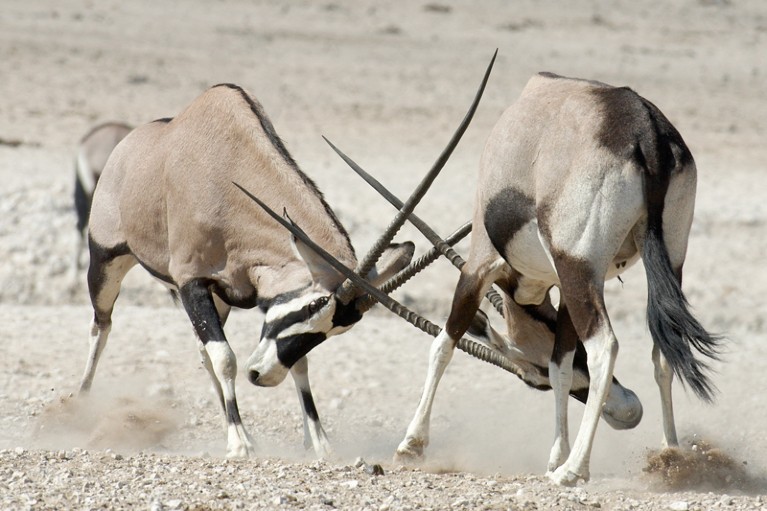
[564, 477]
[409, 453]
[237, 454]
[241, 450]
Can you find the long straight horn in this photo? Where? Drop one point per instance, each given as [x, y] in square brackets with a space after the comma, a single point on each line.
[414, 267]
[434, 238]
[478, 350]
[346, 291]
[441, 246]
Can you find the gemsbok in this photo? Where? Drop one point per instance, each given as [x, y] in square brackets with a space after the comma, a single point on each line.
[166, 200]
[92, 155]
[577, 181]
[526, 351]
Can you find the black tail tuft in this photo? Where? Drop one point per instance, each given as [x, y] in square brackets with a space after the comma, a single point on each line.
[672, 326]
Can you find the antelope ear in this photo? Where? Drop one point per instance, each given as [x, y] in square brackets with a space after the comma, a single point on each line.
[322, 272]
[396, 257]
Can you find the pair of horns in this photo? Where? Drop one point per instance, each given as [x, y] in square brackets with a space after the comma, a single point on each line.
[443, 247]
[355, 281]
[347, 290]
[471, 347]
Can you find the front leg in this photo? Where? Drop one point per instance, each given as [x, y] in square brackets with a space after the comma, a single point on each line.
[472, 284]
[219, 360]
[561, 375]
[314, 433]
[417, 436]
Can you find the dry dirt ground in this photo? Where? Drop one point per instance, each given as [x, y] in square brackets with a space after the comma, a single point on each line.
[387, 82]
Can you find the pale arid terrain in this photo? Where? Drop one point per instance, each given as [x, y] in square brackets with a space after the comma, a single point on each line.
[388, 83]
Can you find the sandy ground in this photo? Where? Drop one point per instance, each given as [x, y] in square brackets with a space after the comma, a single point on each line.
[388, 84]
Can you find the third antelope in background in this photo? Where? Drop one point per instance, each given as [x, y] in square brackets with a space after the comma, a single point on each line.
[92, 155]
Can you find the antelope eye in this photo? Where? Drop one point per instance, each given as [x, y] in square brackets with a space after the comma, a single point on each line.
[315, 305]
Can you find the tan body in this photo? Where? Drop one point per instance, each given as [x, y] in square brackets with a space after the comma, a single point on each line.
[578, 179]
[167, 200]
[183, 219]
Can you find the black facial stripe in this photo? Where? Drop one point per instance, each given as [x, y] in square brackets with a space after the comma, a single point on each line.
[272, 328]
[266, 303]
[292, 348]
[346, 315]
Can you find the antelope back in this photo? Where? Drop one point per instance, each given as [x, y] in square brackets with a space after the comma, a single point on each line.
[168, 192]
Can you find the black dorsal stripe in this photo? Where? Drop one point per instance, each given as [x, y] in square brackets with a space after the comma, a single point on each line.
[278, 144]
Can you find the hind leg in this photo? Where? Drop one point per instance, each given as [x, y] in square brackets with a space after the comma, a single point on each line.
[219, 359]
[472, 284]
[582, 289]
[105, 274]
[664, 377]
[561, 377]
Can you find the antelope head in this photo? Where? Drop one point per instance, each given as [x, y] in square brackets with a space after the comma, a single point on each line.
[295, 324]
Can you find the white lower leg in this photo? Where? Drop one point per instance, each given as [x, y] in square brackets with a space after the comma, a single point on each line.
[417, 436]
[601, 360]
[224, 364]
[561, 381]
[314, 434]
[664, 377]
[98, 340]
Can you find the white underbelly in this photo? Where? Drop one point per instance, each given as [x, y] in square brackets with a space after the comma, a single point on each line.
[527, 254]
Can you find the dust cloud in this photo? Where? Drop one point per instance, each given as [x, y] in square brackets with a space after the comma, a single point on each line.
[120, 422]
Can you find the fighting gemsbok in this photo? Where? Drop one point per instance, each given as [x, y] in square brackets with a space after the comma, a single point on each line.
[92, 155]
[526, 351]
[166, 201]
[577, 181]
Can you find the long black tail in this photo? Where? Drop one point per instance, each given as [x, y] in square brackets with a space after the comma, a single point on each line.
[673, 327]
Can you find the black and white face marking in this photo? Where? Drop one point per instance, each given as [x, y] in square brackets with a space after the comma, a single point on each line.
[292, 329]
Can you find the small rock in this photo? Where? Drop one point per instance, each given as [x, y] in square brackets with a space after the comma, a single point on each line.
[351, 484]
[726, 500]
[679, 505]
[374, 470]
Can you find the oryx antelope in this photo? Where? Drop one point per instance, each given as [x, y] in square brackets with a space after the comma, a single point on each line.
[577, 181]
[92, 154]
[167, 200]
[526, 352]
